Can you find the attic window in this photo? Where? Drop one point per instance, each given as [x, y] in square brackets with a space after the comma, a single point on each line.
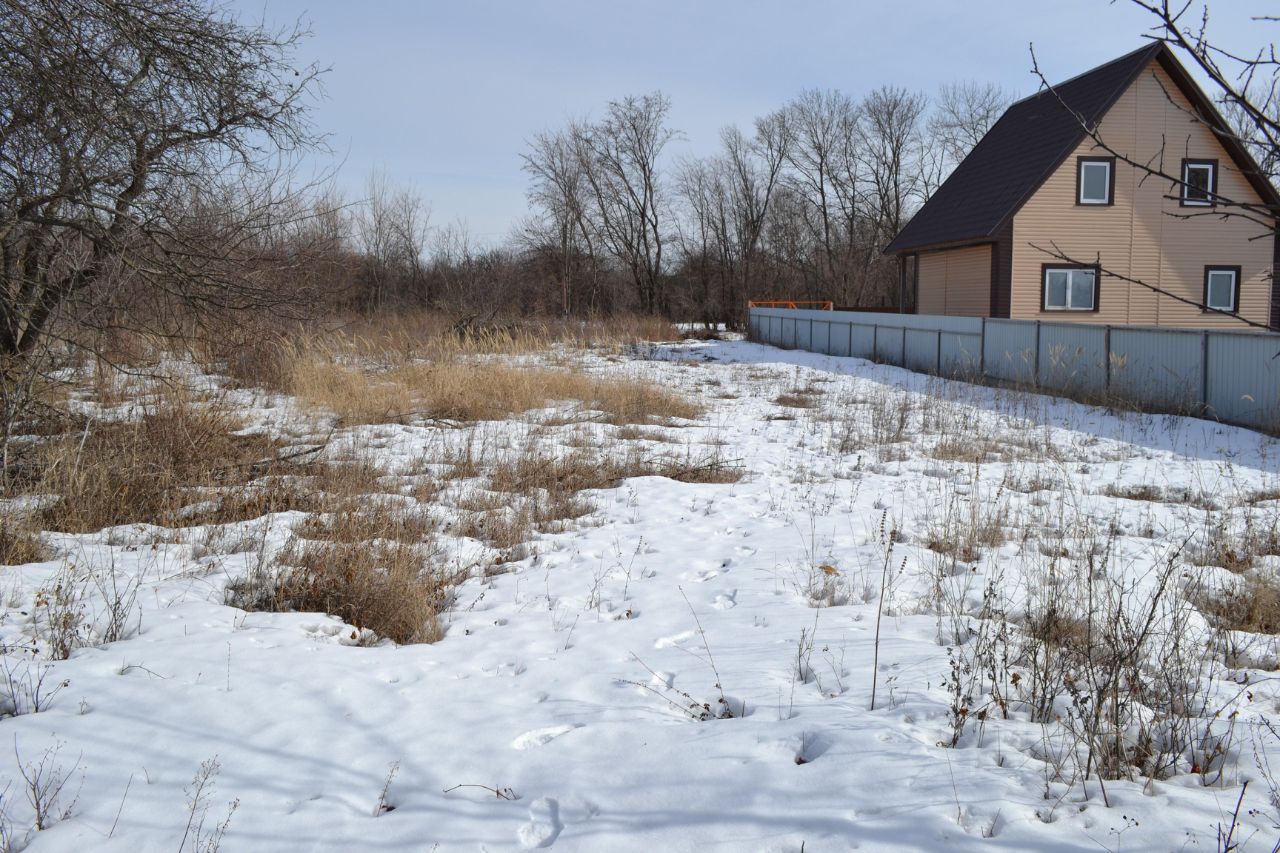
[1095, 180]
[1199, 182]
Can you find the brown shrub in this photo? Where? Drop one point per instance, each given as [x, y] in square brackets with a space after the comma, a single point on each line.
[383, 586]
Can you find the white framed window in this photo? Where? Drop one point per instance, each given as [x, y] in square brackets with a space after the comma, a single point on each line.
[1222, 288]
[1070, 288]
[1199, 182]
[1095, 180]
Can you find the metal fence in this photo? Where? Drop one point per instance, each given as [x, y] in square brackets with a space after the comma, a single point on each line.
[1230, 376]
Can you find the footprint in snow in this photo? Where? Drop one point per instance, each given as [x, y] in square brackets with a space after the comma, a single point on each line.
[673, 640]
[540, 737]
[726, 601]
[508, 669]
[544, 825]
[701, 577]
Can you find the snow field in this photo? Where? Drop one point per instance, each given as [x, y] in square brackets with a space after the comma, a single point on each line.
[688, 666]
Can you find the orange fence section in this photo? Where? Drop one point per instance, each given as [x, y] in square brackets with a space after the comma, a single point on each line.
[815, 304]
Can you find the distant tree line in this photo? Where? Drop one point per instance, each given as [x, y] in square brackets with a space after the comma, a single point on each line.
[800, 206]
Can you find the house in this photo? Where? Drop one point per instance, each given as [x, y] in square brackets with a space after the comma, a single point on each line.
[982, 244]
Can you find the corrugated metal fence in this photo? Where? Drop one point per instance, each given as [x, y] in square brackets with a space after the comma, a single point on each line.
[1231, 376]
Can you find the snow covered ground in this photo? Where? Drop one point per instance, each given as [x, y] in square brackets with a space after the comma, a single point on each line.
[561, 709]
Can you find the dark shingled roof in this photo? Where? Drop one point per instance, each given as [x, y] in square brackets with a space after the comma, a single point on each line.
[1017, 154]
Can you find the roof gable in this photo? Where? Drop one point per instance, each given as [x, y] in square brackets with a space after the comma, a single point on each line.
[1032, 139]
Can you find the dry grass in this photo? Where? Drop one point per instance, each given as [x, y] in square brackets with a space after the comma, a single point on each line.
[382, 586]
[19, 544]
[967, 528]
[537, 488]
[1236, 550]
[261, 357]
[1254, 607]
[796, 399]
[1155, 494]
[145, 470]
[469, 390]
[366, 551]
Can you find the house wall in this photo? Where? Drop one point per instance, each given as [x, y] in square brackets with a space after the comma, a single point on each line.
[955, 281]
[1136, 236]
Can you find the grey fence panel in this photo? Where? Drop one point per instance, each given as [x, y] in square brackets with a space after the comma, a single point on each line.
[822, 336]
[1073, 358]
[1244, 378]
[921, 348]
[1158, 367]
[960, 354]
[864, 338]
[841, 336]
[890, 344]
[1009, 351]
[804, 340]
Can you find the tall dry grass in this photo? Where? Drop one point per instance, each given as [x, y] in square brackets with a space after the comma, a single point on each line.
[340, 375]
[367, 549]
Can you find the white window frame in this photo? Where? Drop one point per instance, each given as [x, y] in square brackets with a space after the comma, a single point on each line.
[1212, 169]
[1107, 165]
[1209, 273]
[1071, 275]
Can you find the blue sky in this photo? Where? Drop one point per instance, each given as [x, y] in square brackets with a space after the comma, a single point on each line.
[443, 95]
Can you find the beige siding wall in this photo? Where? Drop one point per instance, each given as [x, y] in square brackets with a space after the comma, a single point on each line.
[955, 281]
[1135, 236]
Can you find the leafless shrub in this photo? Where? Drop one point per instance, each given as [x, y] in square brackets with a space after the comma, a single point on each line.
[199, 796]
[28, 687]
[44, 781]
[969, 524]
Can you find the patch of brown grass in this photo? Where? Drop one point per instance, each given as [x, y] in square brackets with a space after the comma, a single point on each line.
[1154, 494]
[145, 470]
[469, 389]
[368, 521]
[1254, 607]
[797, 399]
[19, 544]
[384, 586]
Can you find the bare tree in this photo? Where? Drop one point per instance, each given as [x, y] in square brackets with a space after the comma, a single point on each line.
[140, 145]
[893, 153]
[391, 230]
[963, 113]
[823, 177]
[628, 204]
[559, 190]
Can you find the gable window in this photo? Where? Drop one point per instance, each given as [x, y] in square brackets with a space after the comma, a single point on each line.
[1095, 180]
[1199, 182]
[1069, 288]
[1222, 288]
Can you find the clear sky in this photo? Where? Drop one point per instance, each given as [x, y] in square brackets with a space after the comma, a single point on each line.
[443, 95]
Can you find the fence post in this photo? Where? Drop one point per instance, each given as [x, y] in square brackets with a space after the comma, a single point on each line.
[902, 353]
[1106, 354]
[1204, 372]
[811, 334]
[982, 349]
[850, 352]
[1035, 377]
[875, 341]
[937, 358]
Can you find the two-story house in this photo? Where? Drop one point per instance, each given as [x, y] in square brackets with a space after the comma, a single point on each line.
[1038, 185]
